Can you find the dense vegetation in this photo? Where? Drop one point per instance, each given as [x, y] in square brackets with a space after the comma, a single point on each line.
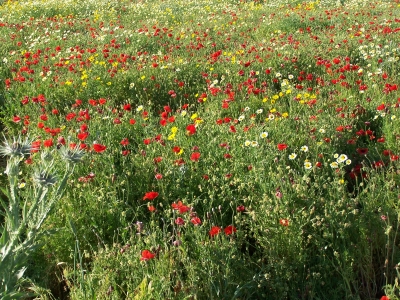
[200, 149]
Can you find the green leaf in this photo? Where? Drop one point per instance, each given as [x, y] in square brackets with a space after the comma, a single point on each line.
[71, 224]
[141, 290]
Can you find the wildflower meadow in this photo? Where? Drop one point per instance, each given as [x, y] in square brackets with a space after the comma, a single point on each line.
[203, 149]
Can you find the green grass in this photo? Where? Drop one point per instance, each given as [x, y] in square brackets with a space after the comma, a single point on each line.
[295, 107]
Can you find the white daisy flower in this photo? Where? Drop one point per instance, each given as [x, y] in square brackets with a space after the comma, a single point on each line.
[307, 165]
[341, 158]
[304, 148]
[334, 165]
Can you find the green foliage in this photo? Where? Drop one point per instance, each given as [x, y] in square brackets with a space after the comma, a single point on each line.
[24, 216]
[233, 149]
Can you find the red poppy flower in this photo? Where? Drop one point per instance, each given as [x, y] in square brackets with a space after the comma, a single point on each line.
[150, 196]
[124, 142]
[147, 255]
[180, 206]
[362, 151]
[157, 159]
[230, 230]
[61, 140]
[147, 141]
[158, 176]
[381, 107]
[48, 143]
[340, 128]
[191, 129]
[282, 147]
[240, 208]
[125, 152]
[176, 149]
[387, 152]
[284, 222]
[381, 140]
[70, 116]
[99, 148]
[83, 135]
[28, 161]
[127, 107]
[35, 146]
[179, 162]
[214, 231]
[196, 221]
[16, 119]
[195, 156]
[151, 208]
[179, 221]
[132, 121]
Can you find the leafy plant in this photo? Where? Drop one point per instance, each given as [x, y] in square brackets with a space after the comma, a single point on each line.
[25, 215]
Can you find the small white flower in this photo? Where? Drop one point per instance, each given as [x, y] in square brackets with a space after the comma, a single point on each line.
[304, 148]
[246, 108]
[348, 161]
[292, 156]
[334, 165]
[259, 111]
[307, 165]
[322, 130]
[139, 108]
[254, 143]
[241, 118]
[247, 143]
[264, 135]
[290, 76]
[271, 117]
[341, 158]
